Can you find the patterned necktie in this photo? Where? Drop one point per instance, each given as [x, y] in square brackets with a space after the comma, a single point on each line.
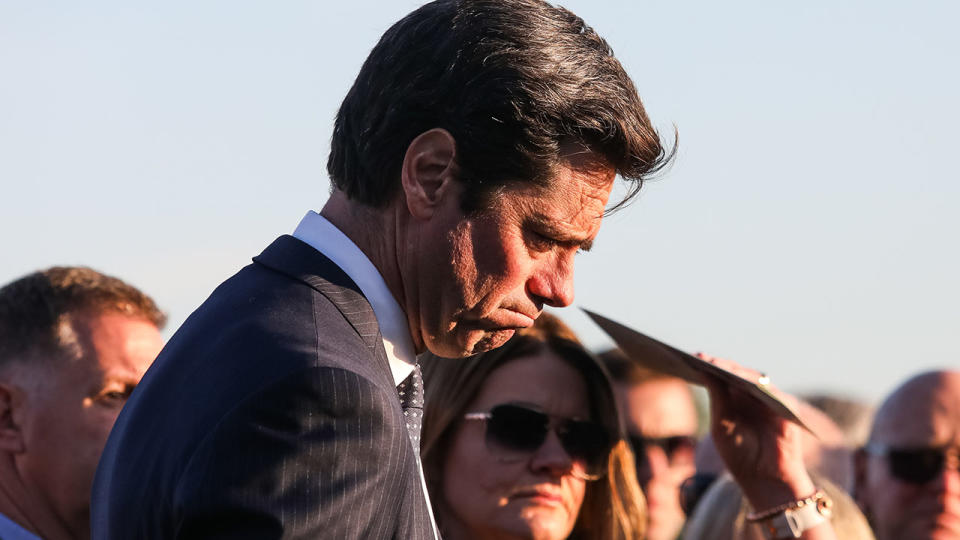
[411, 399]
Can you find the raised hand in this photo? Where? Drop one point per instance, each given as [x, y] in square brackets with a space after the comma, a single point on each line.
[762, 451]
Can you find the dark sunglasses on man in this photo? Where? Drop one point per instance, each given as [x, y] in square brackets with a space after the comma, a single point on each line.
[916, 465]
[678, 448]
[515, 432]
[693, 489]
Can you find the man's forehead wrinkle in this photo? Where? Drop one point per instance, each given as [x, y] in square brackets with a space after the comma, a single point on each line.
[590, 197]
[581, 199]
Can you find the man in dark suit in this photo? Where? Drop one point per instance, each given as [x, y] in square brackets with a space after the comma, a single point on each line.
[471, 160]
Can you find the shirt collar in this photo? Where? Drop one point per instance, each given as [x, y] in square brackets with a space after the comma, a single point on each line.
[11, 530]
[325, 237]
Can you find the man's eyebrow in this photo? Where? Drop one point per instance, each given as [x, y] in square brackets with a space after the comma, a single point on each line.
[546, 226]
[122, 376]
[584, 244]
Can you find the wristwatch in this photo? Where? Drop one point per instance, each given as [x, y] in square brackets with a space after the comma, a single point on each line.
[792, 519]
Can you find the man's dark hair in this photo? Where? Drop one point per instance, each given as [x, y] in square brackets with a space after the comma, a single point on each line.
[34, 308]
[516, 82]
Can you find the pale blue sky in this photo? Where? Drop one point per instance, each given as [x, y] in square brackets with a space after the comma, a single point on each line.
[808, 227]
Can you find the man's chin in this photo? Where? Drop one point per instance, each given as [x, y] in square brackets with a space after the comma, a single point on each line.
[470, 343]
[491, 339]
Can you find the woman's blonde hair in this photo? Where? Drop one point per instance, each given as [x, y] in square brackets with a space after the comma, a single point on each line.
[613, 507]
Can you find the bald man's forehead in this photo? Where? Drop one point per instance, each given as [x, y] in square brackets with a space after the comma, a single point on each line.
[925, 411]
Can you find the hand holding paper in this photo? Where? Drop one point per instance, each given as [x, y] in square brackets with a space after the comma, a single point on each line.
[761, 449]
[754, 426]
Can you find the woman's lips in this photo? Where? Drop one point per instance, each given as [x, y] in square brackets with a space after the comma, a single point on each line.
[542, 496]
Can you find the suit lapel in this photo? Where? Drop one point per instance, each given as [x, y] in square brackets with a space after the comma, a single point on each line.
[302, 262]
[298, 260]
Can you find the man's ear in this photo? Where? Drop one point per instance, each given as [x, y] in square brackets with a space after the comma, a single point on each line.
[11, 405]
[428, 172]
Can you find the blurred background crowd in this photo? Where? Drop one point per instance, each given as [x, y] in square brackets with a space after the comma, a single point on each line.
[629, 447]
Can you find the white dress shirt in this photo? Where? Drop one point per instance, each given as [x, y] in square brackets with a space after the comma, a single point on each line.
[11, 530]
[326, 238]
[323, 236]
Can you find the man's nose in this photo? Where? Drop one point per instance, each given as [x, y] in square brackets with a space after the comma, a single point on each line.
[552, 282]
[948, 480]
[657, 459]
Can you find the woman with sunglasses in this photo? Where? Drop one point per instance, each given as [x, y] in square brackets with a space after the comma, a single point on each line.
[525, 442]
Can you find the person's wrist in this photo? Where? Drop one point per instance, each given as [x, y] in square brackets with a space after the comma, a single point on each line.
[765, 493]
[793, 519]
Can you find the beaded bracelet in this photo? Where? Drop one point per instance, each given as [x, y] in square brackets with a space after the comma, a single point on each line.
[817, 498]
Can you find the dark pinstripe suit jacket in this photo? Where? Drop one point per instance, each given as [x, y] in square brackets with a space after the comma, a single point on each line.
[271, 413]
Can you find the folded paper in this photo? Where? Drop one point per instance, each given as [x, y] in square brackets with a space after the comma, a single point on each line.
[661, 357]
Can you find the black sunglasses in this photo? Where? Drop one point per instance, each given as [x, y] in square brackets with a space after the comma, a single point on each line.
[916, 465]
[673, 447]
[693, 489]
[515, 432]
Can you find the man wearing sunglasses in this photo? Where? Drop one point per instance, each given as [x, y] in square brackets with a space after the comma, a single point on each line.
[907, 476]
[661, 420]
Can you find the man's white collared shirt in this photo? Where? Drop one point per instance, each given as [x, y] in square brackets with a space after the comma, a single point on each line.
[326, 238]
[11, 530]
